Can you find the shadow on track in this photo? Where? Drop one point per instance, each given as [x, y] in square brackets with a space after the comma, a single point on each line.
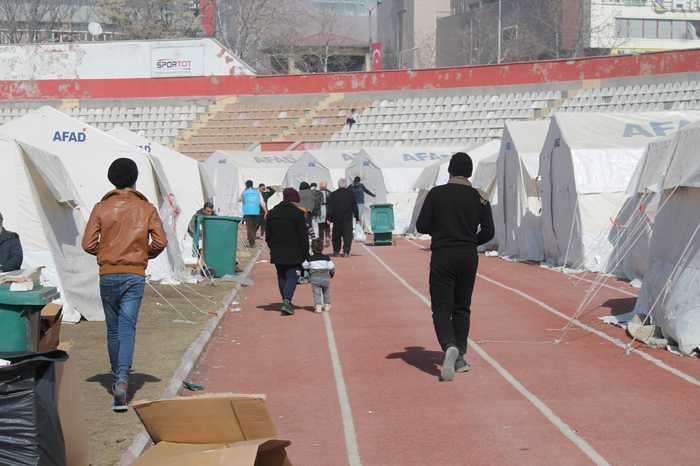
[420, 358]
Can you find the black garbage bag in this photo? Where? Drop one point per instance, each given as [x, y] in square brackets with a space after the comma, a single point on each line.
[30, 429]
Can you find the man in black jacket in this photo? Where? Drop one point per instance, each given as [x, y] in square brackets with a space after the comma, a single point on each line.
[341, 209]
[11, 254]
[288, 238]
[459, 220]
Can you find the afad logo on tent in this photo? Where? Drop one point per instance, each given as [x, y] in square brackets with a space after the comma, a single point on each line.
[655, 129]
[147, 147]
[70, 136]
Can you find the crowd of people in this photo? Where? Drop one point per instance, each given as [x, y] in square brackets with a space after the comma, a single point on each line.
[125, 231]
[291, 230]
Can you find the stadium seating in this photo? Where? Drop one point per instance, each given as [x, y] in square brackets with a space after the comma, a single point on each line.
[418, 118]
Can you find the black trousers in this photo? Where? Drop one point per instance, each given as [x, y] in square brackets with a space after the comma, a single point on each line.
[324, 231]
[261, 223]
[342, 230]
[251, 223]
[452, 279]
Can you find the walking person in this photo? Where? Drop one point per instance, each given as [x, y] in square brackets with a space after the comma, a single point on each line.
[324, 230]
[288, 238]
[11, 254]
[321, 270]
[266, 192]
[359, 190]
[341, 211]
[459, 220]
[253, 204]
[118, 233]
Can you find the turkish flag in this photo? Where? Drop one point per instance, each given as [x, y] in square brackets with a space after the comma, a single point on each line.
[376, 56]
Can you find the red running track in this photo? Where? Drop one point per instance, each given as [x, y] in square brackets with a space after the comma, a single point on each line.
[526, 401]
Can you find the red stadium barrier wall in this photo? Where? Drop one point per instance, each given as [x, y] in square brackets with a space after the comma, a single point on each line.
[440, 78]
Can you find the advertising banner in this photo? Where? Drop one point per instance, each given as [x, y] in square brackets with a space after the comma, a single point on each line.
[177, 62]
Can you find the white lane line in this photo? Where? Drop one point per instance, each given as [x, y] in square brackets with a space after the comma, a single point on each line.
[628, 293]
[642, 354]
[348, 425]
[584, 446]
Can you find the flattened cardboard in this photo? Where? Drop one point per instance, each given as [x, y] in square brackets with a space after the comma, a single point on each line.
[261, 452]
[207, 419]
[70, 408]
[51, 319]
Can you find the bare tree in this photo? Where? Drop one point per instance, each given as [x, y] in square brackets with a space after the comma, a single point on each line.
[255, 30]
[24, 21]
[328, 49]
[426, 52]
[150, 19]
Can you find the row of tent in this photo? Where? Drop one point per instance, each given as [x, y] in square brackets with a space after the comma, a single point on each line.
[576, 192]
[58, 172]
[610, 193]
[579, 191]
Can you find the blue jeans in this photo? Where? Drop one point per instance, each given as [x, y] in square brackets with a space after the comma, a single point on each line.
[287, 279]
[121, 298]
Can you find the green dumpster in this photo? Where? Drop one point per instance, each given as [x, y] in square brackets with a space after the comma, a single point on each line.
[20, 317]
[382, 223]
[220, 239]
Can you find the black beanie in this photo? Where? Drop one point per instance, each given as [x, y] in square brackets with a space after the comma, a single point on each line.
[123, 173]
[461, 165]
[304, 186]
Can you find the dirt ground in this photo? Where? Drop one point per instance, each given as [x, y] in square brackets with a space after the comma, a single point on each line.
[161, 341]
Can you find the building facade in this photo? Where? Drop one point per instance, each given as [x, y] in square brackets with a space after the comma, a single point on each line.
[408, 29]
[646, 25]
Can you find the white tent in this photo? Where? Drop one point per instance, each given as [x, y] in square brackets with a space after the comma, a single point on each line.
[87, 153]
[37, 202]
[671, 286]
[231, 169]
[189, 180]
[335, 160]
[518, 213]
[586, 165]
[307, 168]
[436, 175]
[632, 233]
[391, 173]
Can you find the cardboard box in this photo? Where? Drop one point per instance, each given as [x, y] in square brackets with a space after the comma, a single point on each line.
[263, 452]
[70, 408]
[211, 430]
[51, 319]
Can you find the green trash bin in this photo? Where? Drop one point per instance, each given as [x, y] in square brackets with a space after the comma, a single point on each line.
[20, 317]
[220, 240]
[382, 223]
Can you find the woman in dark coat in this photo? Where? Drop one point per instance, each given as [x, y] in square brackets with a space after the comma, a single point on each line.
[287, 236]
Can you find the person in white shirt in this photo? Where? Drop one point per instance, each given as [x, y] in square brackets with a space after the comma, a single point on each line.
[354, 117]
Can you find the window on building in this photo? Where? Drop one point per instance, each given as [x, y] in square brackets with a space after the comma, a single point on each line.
[649, 29]
[636, 29]
[657, 29]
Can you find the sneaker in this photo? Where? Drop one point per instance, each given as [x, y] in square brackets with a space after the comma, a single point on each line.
[318, 309]
[303, 281]
[461, 365]
[287, 308]
[119, 404]
[327, 307]
[328, 244]
[448, 365]
[342, 254]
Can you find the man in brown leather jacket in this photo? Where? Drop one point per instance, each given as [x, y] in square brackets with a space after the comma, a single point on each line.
[118, 234]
